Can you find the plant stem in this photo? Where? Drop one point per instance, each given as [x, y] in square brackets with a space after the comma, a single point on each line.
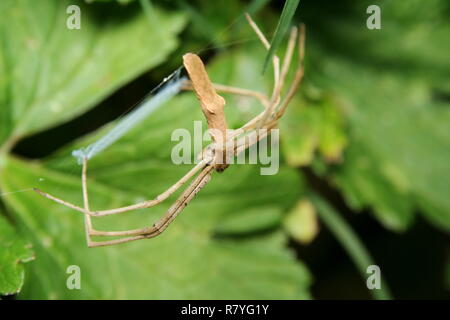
[350, 242]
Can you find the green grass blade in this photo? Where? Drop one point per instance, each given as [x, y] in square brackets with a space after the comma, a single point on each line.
[350, 241]
[287, 14]
[256, 5]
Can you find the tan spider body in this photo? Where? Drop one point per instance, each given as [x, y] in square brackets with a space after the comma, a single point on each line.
[215, 156]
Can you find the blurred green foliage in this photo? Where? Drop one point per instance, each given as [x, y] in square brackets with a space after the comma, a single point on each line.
[14, 251]
[371, 119]
[393, 85]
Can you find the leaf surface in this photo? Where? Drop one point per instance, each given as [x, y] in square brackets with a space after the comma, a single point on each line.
[50, 73]
[14, 252]
[388, 82]
[199, 255]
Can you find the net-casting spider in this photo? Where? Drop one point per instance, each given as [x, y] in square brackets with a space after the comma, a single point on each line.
[224, 145]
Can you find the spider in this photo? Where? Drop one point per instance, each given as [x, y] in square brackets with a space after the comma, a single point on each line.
[215, 156]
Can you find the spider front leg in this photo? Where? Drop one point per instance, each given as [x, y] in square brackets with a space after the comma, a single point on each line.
[142, 205]
[261, 97]
[142, 233]
[150, 232]
[88, 229]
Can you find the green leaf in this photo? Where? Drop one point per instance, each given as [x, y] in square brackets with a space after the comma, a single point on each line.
[186, 261]
[198, 255]
[400, 146]
[49, 74]
[301, 222]
[14, 252]
[310, 127]
[119, 1]
[397, 156]
[290, 6]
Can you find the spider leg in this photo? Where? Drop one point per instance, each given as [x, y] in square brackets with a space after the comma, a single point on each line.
[298, 74]
[142, 205]
[199, 183]
[150, 232]
[89, 230]
[251, 130]
[266, 44]
[163, 196]
[60, 201]
[253, 137]
[247, 141]
[235, 90]
[162, 221]
[250, 125]
[286, 62]
[87, 218]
